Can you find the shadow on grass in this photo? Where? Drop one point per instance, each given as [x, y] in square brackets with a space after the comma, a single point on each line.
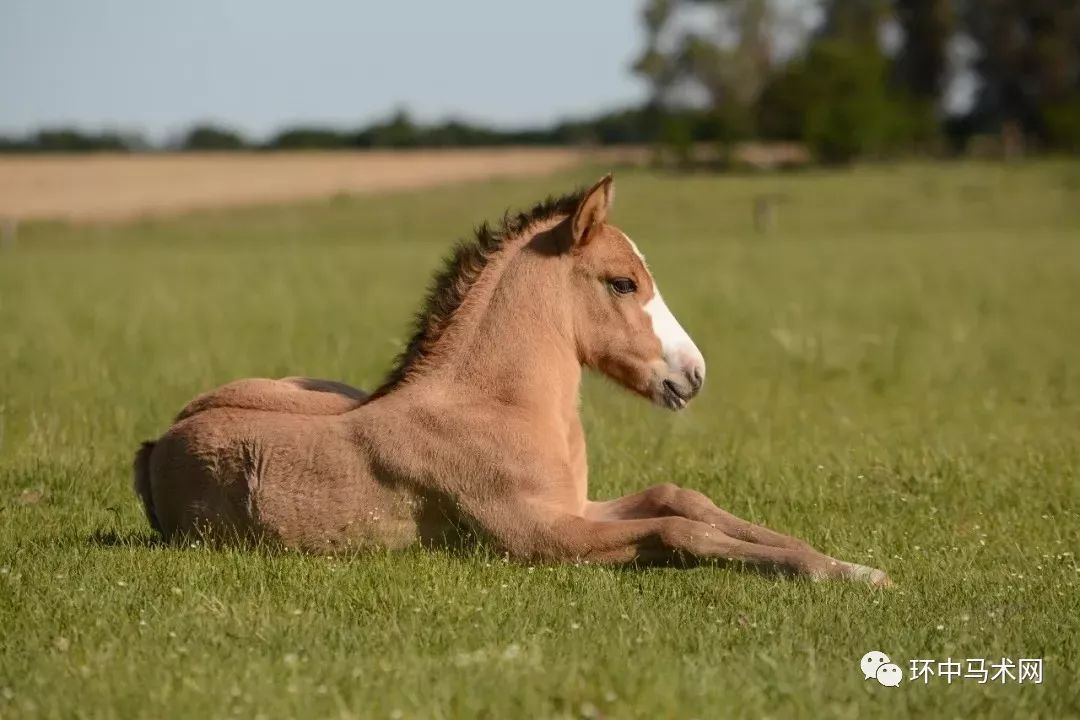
[461, 548]
[114, 539]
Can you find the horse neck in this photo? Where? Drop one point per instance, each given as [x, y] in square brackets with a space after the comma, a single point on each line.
[512, 339]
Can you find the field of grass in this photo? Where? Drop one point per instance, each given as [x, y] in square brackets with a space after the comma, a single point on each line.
[894, 374]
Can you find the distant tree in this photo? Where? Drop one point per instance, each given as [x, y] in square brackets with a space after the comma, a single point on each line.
[397, 132]
[1029, 64]
[733, 61]
[724, 63]
[71, 140]
[855, 21]
[785, 102]
[848, 111]
[14, 145]
[1061, 123]
[655, 66]
[928, 26]
[212, 138]
[310, 138]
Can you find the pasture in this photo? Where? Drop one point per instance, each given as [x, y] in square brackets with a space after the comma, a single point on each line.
[893, 375]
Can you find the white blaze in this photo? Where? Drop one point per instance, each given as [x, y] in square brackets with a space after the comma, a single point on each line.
[680, 352]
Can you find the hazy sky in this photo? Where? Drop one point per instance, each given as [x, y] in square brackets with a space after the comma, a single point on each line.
[159, 66]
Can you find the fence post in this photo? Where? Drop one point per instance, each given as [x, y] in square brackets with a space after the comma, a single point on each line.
[9, 230]
[765, 213]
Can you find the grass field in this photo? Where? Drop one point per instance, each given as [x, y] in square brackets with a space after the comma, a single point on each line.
[894, 374]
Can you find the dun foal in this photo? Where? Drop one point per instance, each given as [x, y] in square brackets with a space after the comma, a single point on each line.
[476, 431]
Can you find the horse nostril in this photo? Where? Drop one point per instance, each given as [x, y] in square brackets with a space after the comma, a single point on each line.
[697, 378]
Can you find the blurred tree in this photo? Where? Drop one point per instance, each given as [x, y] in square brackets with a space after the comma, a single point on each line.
[398, 131]
[212, 138]
[733, 62]
[855, 21]
[835, 99]
[1061, 123]
[1029, 65]
[309, 138]
[922, 64]
[659, 71]
[654, 66]
[71, 140]
[724, 63]
[785, 103]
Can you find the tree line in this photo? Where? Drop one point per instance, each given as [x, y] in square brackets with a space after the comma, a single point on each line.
[846, 78]
[866, 77]
[398, 131]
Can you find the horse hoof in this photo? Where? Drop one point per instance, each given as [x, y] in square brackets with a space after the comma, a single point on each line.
[870, 576]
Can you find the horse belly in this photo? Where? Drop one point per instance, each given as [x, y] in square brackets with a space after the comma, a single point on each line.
[332, 507]
[297, 482]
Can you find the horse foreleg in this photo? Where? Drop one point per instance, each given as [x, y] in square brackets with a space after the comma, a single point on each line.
[668, 538]
[530, 532]
[671, 500]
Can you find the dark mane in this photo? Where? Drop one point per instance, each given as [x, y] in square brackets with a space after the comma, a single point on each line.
[460, 270]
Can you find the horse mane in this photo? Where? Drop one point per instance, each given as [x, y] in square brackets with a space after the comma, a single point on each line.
[460, 271]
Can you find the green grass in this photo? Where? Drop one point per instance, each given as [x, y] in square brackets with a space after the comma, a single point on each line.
[894, 374]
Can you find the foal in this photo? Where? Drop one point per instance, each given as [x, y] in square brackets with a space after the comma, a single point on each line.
[476, 430]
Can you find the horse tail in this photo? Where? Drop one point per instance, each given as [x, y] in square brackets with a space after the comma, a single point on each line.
[142, 482]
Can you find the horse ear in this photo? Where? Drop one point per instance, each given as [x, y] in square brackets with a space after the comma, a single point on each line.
[593, 209]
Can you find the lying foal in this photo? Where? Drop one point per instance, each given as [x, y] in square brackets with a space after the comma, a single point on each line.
[476, 430]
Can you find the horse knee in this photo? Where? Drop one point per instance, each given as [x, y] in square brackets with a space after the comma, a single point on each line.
[665, 498]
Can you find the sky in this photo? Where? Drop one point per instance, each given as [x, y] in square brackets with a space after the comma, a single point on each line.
[158, 67]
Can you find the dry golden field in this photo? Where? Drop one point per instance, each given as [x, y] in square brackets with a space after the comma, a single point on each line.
[118, 187]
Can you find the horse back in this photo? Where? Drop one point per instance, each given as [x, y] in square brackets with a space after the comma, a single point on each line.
[293, 395]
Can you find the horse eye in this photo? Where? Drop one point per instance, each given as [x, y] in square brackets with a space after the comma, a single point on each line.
[623, 286]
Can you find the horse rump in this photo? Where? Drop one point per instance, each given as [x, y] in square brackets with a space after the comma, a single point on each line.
[142, 482]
